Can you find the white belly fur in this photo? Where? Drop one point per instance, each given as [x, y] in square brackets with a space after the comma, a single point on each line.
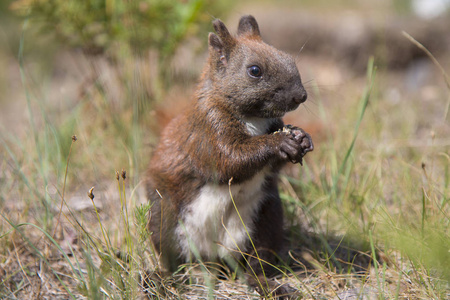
[212, 227]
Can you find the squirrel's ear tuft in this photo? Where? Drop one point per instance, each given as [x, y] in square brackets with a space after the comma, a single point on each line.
[227, 39]
[248, 26]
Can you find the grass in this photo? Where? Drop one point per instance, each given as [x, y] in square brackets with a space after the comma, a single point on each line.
[368, 213]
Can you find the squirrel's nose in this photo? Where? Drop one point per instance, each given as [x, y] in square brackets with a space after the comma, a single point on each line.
[300, 97]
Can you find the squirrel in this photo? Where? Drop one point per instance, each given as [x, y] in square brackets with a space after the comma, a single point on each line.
[212, 179]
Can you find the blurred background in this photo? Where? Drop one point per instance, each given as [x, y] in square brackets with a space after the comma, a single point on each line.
[58, 51]
[114, 73]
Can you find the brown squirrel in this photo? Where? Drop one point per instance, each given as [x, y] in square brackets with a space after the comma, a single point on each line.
[212, 179]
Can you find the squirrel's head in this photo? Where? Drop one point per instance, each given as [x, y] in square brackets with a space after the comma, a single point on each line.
[256, 79]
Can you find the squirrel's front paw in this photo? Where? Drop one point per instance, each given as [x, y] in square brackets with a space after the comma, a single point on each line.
[298, 145]
[303, 138]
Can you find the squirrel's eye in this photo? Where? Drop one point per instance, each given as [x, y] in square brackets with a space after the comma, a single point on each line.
[254, 71]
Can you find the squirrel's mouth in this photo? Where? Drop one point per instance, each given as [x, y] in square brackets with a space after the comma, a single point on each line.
[279, 112]
[291, 106]
[271, 108]
[281, 104]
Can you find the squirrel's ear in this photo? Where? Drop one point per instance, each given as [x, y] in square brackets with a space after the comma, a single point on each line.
[228, 41]
[217, 49]
[248, 26]
[221, 43]
[215, 42]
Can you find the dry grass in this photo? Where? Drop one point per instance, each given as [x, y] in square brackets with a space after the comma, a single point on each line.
[367, 216]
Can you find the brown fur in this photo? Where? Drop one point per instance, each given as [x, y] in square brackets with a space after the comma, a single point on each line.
[210, 144]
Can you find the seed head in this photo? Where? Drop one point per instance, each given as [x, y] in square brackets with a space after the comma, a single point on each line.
[124, 174]
[91, 193]
[117, 175]
[74, 138]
